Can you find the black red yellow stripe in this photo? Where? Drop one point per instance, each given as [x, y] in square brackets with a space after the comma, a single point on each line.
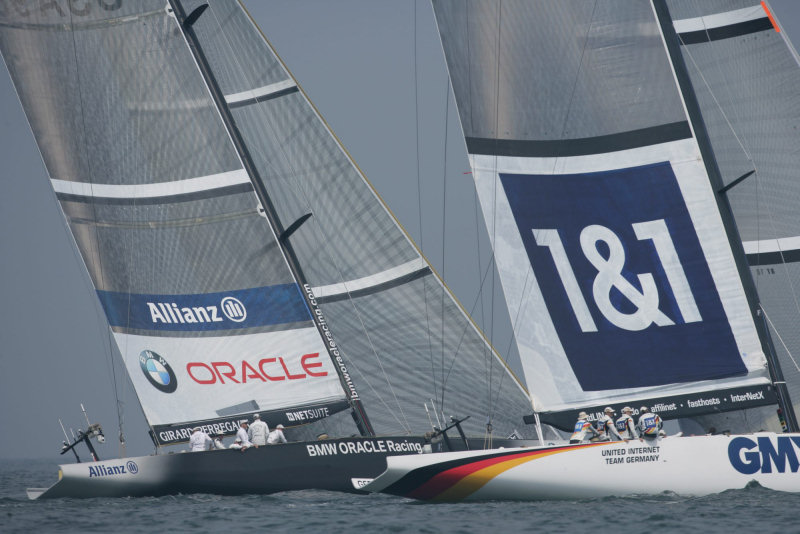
[456, 480]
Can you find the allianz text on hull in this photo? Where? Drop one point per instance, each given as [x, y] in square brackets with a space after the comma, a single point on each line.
[599, 469]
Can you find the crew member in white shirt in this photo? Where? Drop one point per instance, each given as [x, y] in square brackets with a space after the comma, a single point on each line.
[200, 441]
[258, 431]
[218, 441]
[241, 436]
[276, 436]
[649, 424]
[606, 425]
[625, 425]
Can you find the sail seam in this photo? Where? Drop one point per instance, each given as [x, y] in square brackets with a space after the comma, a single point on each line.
[583, 146]
[719, 20]
[141, 192]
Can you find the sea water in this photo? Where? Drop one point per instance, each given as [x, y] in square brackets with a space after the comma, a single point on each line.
[753, 509]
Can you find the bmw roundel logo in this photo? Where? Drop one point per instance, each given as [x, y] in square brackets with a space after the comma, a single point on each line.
[132, 467]
[233, 309]
[157, 371]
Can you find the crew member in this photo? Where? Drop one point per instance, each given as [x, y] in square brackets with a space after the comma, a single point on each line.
[649, 424]
[241, 436]
[276, 436]
[218, 440]
[199, 440]
[625, 425]
[258, 431]
[606, 425]
[584, 431]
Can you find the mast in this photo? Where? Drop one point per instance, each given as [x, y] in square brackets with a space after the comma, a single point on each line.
[186, 22]
[710, 162]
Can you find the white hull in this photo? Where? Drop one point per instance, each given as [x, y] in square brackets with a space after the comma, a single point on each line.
[691, 466]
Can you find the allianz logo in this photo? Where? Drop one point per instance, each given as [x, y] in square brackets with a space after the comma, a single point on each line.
[170, 313]
[764, 455]
[110, 470]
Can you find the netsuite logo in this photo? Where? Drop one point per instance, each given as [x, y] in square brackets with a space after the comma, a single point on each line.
[749, 457]
[171, 313]
[157, 371]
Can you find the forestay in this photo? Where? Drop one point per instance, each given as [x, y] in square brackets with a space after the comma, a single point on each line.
[210, 322]
[605, 227]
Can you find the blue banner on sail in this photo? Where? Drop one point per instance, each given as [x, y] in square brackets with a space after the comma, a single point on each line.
[227, 310]
[624, 277]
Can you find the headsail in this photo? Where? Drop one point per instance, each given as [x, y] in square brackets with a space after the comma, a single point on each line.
[745, 73]
[404, 338]
[606, 230]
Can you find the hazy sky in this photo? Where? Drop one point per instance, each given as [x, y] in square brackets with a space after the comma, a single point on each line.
[355, 59]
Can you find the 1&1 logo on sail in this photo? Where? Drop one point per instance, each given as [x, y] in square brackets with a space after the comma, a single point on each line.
[624, 276]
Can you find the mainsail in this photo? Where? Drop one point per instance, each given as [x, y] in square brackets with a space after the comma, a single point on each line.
[166, 131]
[610, 241]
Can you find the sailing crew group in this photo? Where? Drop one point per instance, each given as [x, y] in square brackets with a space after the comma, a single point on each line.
[648, 427]
[248, 435]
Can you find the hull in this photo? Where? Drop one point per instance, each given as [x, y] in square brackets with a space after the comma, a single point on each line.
[328, 465]
[691, 466]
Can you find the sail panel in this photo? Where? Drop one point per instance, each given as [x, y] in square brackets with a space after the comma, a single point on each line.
[265, 371]
[207, 315]
[746, 85]
[596, 68]
[606, 231]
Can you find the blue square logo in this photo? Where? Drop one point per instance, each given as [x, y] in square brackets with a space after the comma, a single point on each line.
[624, 277]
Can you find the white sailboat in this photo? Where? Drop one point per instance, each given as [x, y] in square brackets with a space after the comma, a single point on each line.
[242, 261]
[629, 170]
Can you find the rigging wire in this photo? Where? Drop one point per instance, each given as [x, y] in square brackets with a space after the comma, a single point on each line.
[485, 349]
[419, 204]
[777, 333]
[326, 239]
[96, 242]
[444, 219]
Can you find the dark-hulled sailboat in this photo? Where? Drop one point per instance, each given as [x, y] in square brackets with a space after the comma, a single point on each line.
[243, 262]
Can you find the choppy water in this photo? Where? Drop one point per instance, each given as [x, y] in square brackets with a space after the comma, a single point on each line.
[752, 509]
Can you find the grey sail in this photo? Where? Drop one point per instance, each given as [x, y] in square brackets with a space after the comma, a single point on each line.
[745, 73]
[209, 320]
[610, 241]
[217, 312]
[406, 341]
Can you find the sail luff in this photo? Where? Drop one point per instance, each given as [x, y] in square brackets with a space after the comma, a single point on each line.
[684, 82]
[359, 413]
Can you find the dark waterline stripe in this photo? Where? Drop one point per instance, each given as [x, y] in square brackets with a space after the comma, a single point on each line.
[585, 146]
[168, 199]
[726, 32]
[263, 98]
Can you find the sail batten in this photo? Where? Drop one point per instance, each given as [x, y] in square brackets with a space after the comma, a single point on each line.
[145, 192]
[580, 146]
[252, 96]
